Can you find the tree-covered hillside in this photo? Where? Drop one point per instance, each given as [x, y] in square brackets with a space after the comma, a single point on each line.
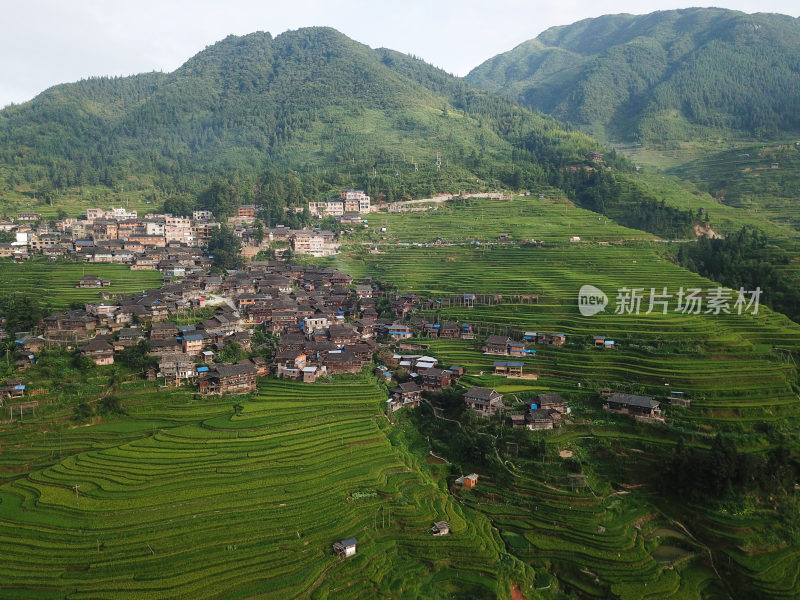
[661, 77]
[311, 100]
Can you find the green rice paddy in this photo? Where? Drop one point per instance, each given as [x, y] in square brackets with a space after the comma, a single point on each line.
[200, 503]
[55, 283]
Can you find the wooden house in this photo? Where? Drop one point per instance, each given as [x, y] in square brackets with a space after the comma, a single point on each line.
[468, 481]
[552, 401]
[630, 404]
[364, 291]
[516, 348]
[595, 157]
[406, 394]
[542, 418]
[100, 351]
[449, 330]
[261, 365]
[13, 388]
[486, 402]
[433, 379]
[163, 331]
[508, 368]
[456, 371]
[431, 329]
[93, 281]
[345, 548]
[365, 327]
[399, 331]
[467, 332]
[343, 361]
[440, 528]
[342, 334]
[239, 378]
[71, 324]
[496, 344]
[679, 399]
[166, 346]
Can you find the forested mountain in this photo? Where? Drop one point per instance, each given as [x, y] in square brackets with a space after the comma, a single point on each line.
[310, 100]
[661, 77]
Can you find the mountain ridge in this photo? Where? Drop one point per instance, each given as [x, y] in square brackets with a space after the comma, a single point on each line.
[307, 99]
[670, 75]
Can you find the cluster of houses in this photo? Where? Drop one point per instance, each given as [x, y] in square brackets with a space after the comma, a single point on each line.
[350, 202]
[154, 241]
[424, 375]
[324, 326]
[117, 236]
[449, 330]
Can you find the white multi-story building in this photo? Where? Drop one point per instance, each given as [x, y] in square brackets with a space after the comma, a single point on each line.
[315, 243]
[179, 229]
[326, 209]
[154, 227]
[119, 214]
[355, 201]
[350, 201]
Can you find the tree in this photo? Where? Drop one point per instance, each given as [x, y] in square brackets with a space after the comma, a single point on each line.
[224, 247]
[231, 352]
[181, 206]
[82, 412]
[221, 198]
[111, 405]
[258, 231]
[136, 357]
[22, 312]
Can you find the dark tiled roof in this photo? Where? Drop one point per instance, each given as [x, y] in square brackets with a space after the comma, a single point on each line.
[633, 400]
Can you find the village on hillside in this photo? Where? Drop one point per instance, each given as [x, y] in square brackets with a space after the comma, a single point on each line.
[274, 318]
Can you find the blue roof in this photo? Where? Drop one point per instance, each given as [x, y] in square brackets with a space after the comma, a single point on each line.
[191, 337]
[202, 369]
[508, 364]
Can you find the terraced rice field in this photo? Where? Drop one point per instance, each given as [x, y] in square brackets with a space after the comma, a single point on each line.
[734, 367]
[526, 217]
[727, 362]
[55, 283]
[202, 503]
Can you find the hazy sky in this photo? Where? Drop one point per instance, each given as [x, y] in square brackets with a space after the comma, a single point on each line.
[45, 42]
